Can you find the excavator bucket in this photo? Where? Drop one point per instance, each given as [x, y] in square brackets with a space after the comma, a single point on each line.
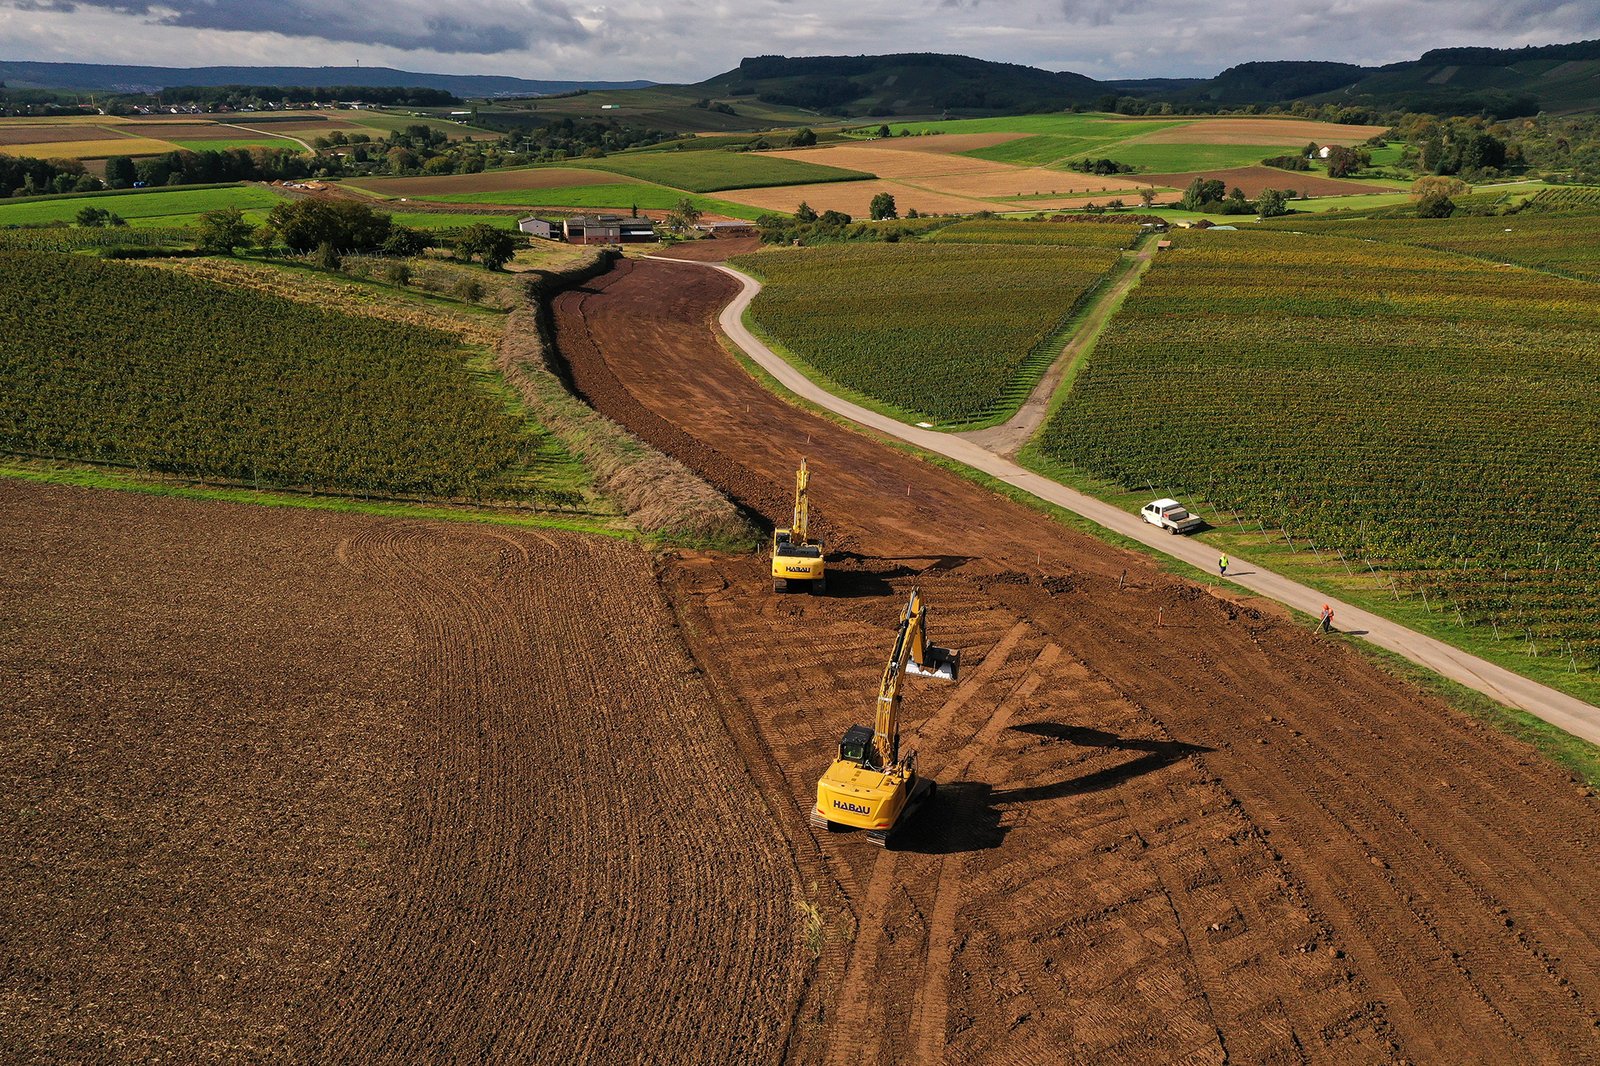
[942, 664]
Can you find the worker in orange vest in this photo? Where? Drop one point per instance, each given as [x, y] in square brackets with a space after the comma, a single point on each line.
[1327, 619]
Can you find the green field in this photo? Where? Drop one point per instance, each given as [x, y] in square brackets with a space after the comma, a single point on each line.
[1057, 139]
[160, 371]
[158, 208]
[717, 171]
[440, 220]
[241, 142]
[945, 333]
[1428, 413]
[618, 196]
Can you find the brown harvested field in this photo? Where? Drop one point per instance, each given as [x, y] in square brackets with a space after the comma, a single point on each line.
[11, 135]
[932, 182]
[282, 785]
[856, 200]
[491, 181]
[1253, 179]
[1264, 131]
[1202, 835]
[944, 143]
[192, 131]
[107, 146]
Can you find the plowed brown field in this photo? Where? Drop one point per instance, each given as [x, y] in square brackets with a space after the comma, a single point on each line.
[1251, 180]
[283, 786]
[1170, 827]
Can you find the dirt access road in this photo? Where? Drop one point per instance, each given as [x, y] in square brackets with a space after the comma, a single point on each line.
[281, 785]
[1219, 838]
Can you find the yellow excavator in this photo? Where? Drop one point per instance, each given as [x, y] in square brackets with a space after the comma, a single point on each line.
[795, 556]
[871, 785]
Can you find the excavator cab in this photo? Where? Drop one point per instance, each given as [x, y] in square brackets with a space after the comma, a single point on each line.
[856, 746]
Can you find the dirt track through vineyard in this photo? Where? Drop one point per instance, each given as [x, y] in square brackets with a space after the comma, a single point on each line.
[287, 786]
[1171, 826]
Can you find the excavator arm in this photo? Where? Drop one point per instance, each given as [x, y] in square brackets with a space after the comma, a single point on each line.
[802, 512]
[912, 654]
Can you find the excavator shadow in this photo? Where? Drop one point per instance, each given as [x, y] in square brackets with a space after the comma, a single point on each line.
[966, 815]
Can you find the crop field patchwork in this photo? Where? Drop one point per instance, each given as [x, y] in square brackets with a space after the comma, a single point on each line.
[716, 171]
[947, 333]
[159, 371]
[1165, 144]
[471, 187]
[1432, 414]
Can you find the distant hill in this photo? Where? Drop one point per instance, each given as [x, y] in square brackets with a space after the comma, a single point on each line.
[913, 83]
[105, 78]
[1503, 81]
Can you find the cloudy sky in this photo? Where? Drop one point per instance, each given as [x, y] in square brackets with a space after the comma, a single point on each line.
[687, 40]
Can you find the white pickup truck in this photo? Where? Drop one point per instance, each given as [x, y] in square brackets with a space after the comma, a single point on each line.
[1171, 516]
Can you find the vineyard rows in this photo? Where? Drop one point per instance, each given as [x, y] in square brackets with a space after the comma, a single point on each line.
[1068, 234]
[1558, 243]
[1565, 198]
[79, 238]
[160, 371]
[947, 333]
[1431, 414]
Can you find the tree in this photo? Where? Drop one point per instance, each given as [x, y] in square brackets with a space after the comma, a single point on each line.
[1271, 204]
[1342, 161]
[683, 217]
[805, 138]
[304, 225]
[833, 219]
[93, 217]
[120, 172]
[222, 231]
[1147, 196]
[1435, 205]
[1439, 183]
[883, 206]
[883, 130]
[404, 241]
[493, 245]
[804, 213]
[912, 213]
[1201, 191]
[1236, 204]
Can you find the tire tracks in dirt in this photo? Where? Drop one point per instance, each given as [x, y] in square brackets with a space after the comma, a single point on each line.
[564, 890]
[1207, 835]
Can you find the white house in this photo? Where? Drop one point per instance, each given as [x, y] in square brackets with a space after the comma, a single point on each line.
[537, 227]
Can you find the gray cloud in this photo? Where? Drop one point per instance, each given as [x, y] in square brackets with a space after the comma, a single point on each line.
[687, 40]
[491, 27]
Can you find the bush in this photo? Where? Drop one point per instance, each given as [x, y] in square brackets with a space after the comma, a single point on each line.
[1435, 205]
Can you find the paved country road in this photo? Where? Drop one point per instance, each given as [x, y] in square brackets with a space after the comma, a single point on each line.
[1559, 709]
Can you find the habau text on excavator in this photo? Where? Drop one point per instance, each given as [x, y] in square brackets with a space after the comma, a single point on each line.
[795, 557]
[871, 785]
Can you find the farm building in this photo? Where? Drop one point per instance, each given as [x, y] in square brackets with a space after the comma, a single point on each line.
[731, 229]
[607, 229]
[537, 227]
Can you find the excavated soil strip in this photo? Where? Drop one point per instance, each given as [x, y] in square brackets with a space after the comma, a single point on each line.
[1200, 833]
